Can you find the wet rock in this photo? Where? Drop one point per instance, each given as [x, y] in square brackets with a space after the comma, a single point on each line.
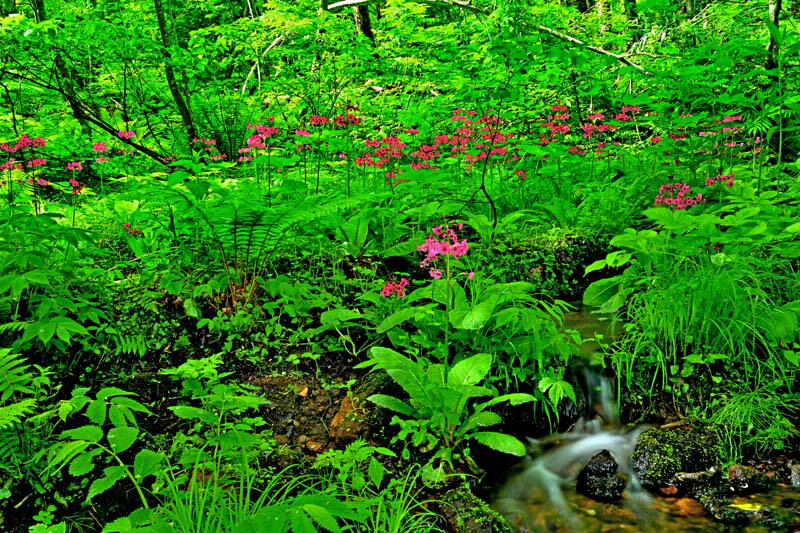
[794, 475]
[688, 507]
[678, 457]
[742, 512]
[466, 513]
[746, 479]
[599, 480]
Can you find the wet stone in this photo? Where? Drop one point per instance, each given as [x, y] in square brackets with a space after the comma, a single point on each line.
[665, 457]
[746, 479]
[599, 480]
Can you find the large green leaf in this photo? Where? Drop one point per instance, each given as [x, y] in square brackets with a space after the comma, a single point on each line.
[601, 291]
[471, 370]
[474, 317]
[501, 442]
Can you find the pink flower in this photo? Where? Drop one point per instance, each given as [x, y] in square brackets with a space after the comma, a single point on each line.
[74, 166]
[444, 241]
[318, 121]
[655, 140]
[37, 163]
[391, 288]
[302, 133]
[435, 274]
[470, 276]
[100, 147]
[126, 135]
[102, 160]
[412, 131]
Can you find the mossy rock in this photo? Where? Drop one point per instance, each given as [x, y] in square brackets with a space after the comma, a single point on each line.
[661, 453]
[466, 513]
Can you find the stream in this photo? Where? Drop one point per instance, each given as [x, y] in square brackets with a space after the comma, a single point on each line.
[540, 495]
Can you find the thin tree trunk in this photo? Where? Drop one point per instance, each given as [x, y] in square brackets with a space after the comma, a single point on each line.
[772, 47]
[39, 11]
[180, 101]
[363, 22]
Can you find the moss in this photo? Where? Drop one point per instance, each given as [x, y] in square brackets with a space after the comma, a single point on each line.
[466, 513]
[660, 454]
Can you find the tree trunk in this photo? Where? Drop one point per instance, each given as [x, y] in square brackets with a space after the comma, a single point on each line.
[772, 47]
[363, 22]
[39, 11]
[180, 102]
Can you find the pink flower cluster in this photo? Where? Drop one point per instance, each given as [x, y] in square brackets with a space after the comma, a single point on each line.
[398, 288]
[317, 120]
[126, 135]
[23, 143]
[677, 197]
[710, 182]
[444, 241]
[76, 165]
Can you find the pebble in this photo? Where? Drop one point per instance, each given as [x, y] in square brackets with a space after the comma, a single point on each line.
[794, 475]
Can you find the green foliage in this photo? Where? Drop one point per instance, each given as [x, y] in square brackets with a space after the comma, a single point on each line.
[443, 417]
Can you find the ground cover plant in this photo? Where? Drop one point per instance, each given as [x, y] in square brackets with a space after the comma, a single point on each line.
[296, 266]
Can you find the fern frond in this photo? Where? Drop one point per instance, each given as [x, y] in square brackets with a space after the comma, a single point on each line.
[14, 376]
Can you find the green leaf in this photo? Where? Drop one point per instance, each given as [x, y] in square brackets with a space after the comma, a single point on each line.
[601, 291]
[391, 403]
[83, 463]
[191, 308]
[189, 413]
[474, 317]
[321, 516]
[471, 370]
[111, 475]
[96, 412]
[107, 392]
[146, 463]
[375, 471]
[122, 438]
[402, 315]
[88, 433]
[501, 442]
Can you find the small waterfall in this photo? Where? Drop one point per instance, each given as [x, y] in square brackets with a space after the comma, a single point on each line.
[542, 496]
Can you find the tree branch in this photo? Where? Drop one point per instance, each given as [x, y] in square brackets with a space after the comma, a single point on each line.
[570, 39]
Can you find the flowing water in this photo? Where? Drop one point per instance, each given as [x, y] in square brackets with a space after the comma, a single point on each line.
[540, 496]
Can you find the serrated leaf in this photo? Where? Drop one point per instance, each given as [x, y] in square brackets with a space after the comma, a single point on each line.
[96, 412]
[107, 392]
[111, 475]
[146, 463]
[375, 471]
[91, 434]
[122, 438]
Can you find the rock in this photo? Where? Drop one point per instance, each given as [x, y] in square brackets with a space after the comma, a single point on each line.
[689, 507]
[315, 446]
[677, 457]
[794, 475]
[346, 423]
[746, 479]
[466, 513]
[599, 480]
